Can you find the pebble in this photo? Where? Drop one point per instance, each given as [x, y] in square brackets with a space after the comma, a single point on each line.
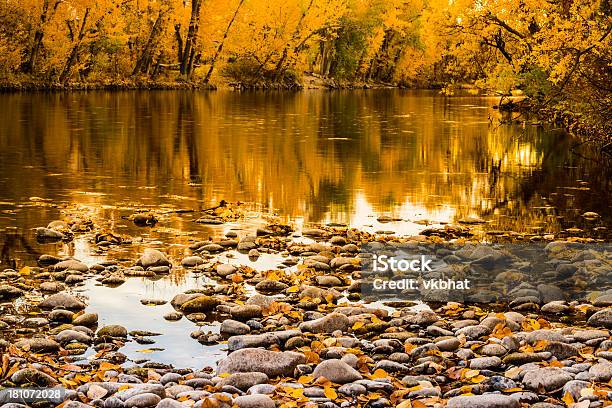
[336, 371]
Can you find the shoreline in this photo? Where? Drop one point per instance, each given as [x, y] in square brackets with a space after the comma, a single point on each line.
[303, 333]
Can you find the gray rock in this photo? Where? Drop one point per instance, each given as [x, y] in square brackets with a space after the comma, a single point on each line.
[574, 387]
[38, 345]
[62, 300]
[143, 400]
[352, 389]
[225, 270]
[603, 318]
[170, 377]
[485, 363]
[32, 375]
[251, 341]
[191, 261]
[245, 312]
[327, 324]
[243, 381]
[234, 327]
[67, 336]
[601, 372]
[271, 363]
[262, 389]
[551, 378]
[451, 344]
[336, 371]
[169, 403]
[71, 265]
[254, 401]
[483, 401]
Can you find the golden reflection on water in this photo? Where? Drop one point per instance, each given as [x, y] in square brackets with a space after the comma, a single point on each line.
[314, 156]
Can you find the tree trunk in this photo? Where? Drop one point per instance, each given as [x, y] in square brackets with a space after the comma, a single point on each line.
[281, 62]
[220, 48]
[144, 62]
[191, 39]
[72, 58]
[29, 65]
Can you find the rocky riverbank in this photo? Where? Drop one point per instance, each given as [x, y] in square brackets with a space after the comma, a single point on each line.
[301, 335]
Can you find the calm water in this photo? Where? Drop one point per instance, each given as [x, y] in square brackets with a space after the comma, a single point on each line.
[309, 157]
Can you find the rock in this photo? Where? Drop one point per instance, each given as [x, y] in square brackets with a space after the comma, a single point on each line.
[603, 300]
[271, 286]
[191, 261]
[327, 324]
[173, 316]
[144, 400]
[548, 335]
[352, 389]
[70, 265]
[48, 235]
[169, 403]
[224, 270]
[86, 319]
[38, 345]
[234, 327]
[561, 350]
[9, 292]
[254, 401]
[243, 381]
[483, 401]
[246, 312]
[62, 300]
[68, 336]
[52, 287]
[336, 371]
[485, 363]
[450, 344]
[271, 363]
[152, 257]
[551, 378]
[251, 341]
[113, 330]
[31, 375]
[61, 316]
[328, 280]
[260, 300]
[601, 372]
[199, 304]
[603, 318]
[518, 359]
[574, 387]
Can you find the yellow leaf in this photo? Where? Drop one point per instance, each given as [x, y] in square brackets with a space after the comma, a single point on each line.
[358, 325]
[25, 271]
[478, 379]
[330, 393]
[305, 379]
[471, 374]
[568, 399]
[418, 404]
[404, 404]
[293, 289]
[379, 373]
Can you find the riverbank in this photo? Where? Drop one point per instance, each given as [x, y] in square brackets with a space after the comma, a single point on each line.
[534, 328]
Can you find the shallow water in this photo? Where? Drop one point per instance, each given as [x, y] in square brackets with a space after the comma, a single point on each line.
[308, 157]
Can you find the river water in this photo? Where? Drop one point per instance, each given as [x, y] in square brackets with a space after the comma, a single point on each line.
[308, 157]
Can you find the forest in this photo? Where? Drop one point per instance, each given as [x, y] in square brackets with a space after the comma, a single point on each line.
[556, 52]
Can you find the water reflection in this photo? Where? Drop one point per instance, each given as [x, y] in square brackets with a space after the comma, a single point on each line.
[313, 156]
